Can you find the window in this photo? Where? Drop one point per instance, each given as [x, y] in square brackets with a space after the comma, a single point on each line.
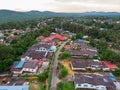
[85, 85]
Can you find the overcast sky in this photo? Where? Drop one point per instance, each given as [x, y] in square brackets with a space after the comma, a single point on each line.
[62, 5]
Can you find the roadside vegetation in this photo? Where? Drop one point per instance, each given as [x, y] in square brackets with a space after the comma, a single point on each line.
[63, 72]
[65, 86]
[64, 55]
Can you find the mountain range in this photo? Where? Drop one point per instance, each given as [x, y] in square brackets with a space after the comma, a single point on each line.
[11, 16]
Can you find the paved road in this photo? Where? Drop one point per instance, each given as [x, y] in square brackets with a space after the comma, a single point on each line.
[55, 79]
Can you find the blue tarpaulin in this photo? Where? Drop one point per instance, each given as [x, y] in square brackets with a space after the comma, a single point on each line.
[20, 64]
[52, 48]
[14, 87]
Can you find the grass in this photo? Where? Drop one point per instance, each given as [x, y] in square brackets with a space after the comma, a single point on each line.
[50, 74]
[37, 86]
[65, 86]
[63, 71]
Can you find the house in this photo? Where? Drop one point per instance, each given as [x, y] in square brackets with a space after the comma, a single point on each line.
[25, 66]
[40, 37]
[67, 47]
[109, 65]
[14, 87]
[93, 81]
[15, 81]
[82, 64]
[85, 37]
[15, 31]
[54, 41]
[37, 51]
[83, 53]
[55, 36]
[82, 44]
[30, 66]
[52, 49]
[1, 36]
[79, 48]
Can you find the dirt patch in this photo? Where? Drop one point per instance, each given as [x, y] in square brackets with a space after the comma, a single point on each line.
[66, 63]
[34, 86]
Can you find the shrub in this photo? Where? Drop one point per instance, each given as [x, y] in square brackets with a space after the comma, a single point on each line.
[64, 55]
[63, 71]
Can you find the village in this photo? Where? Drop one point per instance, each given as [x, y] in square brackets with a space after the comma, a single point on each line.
[81, 61]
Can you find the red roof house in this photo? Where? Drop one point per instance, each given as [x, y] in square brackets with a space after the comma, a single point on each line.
[62, 38]
[67, 47]
[56, 36]
[40, 37]
[109, 65]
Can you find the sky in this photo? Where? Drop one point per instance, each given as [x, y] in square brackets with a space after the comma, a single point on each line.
[62, 5]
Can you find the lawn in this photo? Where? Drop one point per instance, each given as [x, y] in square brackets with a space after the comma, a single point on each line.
[65, 86]
[36, 86]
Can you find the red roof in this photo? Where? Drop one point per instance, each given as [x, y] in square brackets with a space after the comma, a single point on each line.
[16, 31]
[62, 38]
[40, 37]
[39, 61]
[67, 47]
[109, 65]
[49, 38]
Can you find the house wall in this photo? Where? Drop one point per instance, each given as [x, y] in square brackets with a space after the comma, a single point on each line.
[42, 49]
[77, 68]
[90, 86]
[106, 69]
[18, 72]
[31, 70]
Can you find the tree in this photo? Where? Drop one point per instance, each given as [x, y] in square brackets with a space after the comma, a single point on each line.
[65, 55]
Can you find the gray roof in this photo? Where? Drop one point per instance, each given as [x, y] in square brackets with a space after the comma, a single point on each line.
[84, 63]
[94, 80]
[30, 64]
[16, 81]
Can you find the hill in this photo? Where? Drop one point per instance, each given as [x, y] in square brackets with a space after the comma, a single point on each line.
[10, 16]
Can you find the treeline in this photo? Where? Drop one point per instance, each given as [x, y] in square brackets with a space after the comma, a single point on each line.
[19, 25]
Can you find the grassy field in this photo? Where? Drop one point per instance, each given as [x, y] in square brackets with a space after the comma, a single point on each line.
[65, 86]
[36, 86]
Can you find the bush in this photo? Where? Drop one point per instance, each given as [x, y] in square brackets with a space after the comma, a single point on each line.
[63, 71]
[116, 72]
[42, 77]
[65, 55]
[65, 86]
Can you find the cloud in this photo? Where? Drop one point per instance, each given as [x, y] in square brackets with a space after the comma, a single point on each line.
[88, 5]
[62, 5]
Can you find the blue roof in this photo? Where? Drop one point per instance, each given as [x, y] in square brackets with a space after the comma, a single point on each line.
[105, 80]
[20, 64]
[112, 77]
[52, 48]
[14, 87]
[80, 40]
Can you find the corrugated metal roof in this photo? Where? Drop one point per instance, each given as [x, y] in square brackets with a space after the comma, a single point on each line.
[14, 87]
[20, 64]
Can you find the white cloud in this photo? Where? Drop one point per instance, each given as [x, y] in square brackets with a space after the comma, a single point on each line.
[61, 5]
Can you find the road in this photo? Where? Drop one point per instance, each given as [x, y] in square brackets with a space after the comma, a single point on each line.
[55, 79]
